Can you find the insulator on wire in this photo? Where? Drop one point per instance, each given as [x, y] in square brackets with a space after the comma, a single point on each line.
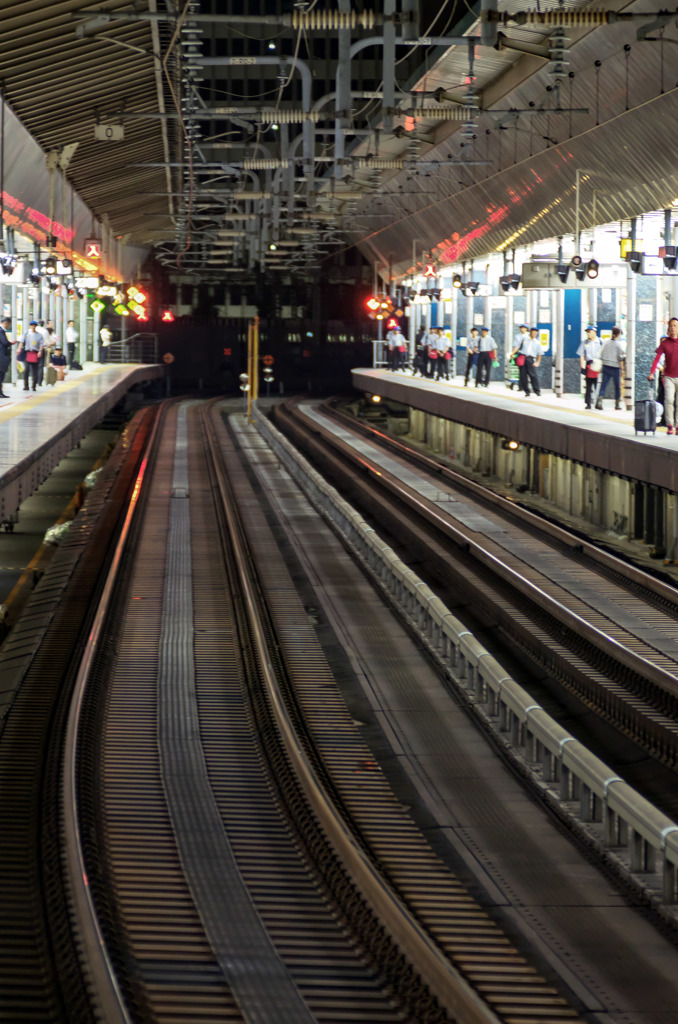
[333, 19]
[566, 19]
[264, 164]
[441, 113]
[380, 163]
[273, 116]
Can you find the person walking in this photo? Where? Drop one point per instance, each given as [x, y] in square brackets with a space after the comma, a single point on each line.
[5, 351]
[589, 359]
[668, 347]
[31, 348]
[471, 354]
[486, 352]
[612, 356]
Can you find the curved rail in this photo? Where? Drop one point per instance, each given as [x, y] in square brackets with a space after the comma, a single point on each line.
[629, 822]
[445, 982]
[103, 982]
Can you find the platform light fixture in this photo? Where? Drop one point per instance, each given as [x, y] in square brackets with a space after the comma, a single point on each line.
[515, 281]
[580, 272]
[505, 282]
[634, 260]
[670, 256]
[457, 281]
[576, 261]
[472, 287]
[563, 271]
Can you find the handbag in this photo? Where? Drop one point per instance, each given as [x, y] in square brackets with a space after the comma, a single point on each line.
[596, 365]
[520, 359]
[31, 357]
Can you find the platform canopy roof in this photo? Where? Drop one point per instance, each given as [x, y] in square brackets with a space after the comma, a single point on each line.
[275, 133]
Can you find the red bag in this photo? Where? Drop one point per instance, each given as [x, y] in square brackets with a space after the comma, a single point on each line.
[433, 353]
[31, 357]
[520, 360]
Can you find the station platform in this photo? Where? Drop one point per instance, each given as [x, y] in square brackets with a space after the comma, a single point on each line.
[605, 440]
[38, 429]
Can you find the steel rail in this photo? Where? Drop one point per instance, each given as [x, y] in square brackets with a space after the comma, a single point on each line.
[99, 968]
[449, 987]
[576, 544]
[608, 645]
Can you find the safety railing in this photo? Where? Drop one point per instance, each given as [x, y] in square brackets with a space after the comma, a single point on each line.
[137, 348]
[639, 839]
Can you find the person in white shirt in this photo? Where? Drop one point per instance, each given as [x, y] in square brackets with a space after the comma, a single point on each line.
[589, 356]
[532, 351]
[471, 354]
[106, 337]
[486, 351]
[612, 356]
[71, 342]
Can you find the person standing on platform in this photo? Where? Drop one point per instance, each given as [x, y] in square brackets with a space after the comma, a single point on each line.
[486, 352]
[668, 347]
[32, 346]
[106, 337]
[532, 351]
[431, 343]
[471, 354]
[612, 356]
[441, 362]
[71, 342]
[398, 344]
[445, 355]
[589, 357]
[5, 351]
[520, 337]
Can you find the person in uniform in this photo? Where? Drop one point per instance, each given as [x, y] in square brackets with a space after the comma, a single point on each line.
[486, 352]
[532, 351]
[471, 354]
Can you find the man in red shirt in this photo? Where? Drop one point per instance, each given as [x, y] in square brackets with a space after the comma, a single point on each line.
[668, 347]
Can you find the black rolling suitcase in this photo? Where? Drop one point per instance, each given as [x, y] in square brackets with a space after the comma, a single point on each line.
[645, 414]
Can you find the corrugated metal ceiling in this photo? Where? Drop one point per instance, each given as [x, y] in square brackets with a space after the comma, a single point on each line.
[512, 183]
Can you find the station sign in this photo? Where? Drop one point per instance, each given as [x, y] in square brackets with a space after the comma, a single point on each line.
[545, 276]
[653, 266]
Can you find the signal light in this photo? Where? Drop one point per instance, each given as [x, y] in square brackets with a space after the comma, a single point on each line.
[97, 305]
[592, 268]
[456, 281]
[244, 382]
[168, 316]
[51, 264]
[576, 261]
[509, 445]
[373, 303]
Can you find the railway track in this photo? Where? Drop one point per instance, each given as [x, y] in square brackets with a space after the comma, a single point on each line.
[603, 630]
[244, 856]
